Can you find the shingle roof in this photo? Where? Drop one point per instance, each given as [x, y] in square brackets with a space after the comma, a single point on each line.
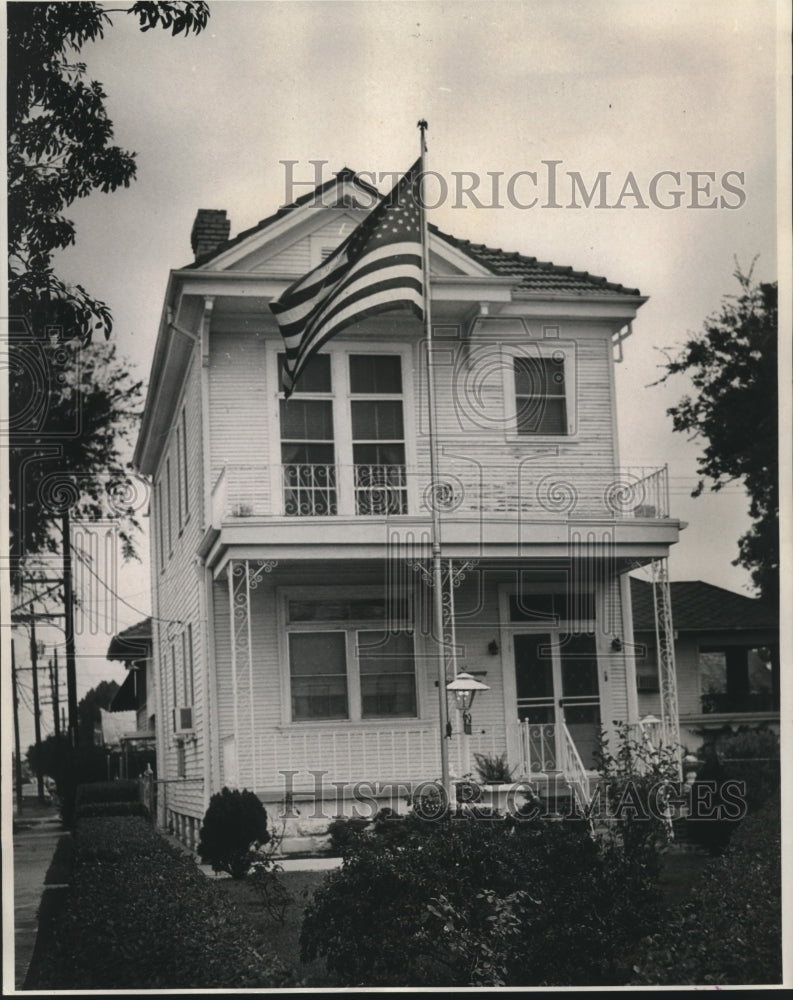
[701, 607]
[534, 275]
[131, 644]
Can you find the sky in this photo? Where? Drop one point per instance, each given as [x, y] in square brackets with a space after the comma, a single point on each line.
[620, 87]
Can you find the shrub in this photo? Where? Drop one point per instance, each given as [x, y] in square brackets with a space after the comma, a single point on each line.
[344, 831]
[234, 822]
[461, 902]
[638, 786]
[751, 755]
[729, 932]
[141, 916]
[108, 791]
[112, 809]
[492, 769]
[80, 766]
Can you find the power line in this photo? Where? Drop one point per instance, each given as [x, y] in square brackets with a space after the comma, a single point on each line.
[85, 560]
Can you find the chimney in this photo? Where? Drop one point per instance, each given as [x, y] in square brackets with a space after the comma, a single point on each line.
[210, 231]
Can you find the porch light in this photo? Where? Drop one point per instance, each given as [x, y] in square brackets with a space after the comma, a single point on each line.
[464, 687]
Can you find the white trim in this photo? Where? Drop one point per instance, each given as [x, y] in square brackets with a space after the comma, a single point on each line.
[540, 349]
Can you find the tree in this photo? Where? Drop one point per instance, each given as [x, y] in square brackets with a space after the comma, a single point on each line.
[72, 405]
[59, 148]
[732, 363]
[74, 409]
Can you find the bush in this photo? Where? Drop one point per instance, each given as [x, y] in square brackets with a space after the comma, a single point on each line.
[751, 755]
[729, 932]
[344, 831]
[234, 822]
[80, 766]
[465, 902]
[111, 809]
[142, 916]
[108, 791]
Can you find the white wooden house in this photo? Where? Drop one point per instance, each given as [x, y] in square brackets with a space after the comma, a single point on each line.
[290, 539]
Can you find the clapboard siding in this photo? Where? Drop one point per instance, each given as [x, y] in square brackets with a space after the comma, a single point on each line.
[238, 411]
[176, 591]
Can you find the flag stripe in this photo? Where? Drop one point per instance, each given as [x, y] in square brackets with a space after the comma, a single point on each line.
[301, 304]
[378, 268]
[344, 314]
[351, 289]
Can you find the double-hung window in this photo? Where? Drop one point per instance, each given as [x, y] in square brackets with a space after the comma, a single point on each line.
[308, 456]
[539, 390]
[343, 438]
[350, 659]
[378, 434]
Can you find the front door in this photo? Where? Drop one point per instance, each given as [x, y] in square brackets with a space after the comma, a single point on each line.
[556, 681]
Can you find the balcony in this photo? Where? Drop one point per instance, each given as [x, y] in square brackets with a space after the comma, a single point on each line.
[465, 491]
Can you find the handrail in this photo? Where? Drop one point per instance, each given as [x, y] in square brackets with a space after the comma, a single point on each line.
[574, 770]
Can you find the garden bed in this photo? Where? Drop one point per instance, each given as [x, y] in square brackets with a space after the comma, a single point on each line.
[282, 939]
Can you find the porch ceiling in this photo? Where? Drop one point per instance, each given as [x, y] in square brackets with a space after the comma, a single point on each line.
[302, 541]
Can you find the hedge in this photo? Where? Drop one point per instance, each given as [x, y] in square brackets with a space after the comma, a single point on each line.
[112, 809]
[143, 916]
[729, 932]
[125, 790]
[480, 902]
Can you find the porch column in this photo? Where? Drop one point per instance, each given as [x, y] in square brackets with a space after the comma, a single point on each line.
[244, 576]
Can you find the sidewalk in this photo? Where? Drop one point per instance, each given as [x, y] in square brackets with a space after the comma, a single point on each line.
[37, 831]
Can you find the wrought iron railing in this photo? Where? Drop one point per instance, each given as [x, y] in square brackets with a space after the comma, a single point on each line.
[464, 489]
[538, 748]
[380, 489]
[310, 490]
[573, 769]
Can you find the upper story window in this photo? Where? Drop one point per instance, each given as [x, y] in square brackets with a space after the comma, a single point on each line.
[539, 390]
[308, 452]
[342, 437]
[378, 434]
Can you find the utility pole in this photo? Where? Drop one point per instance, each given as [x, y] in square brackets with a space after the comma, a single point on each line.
[18, 761]
[54, 689]
[68, 601]
[34, 665]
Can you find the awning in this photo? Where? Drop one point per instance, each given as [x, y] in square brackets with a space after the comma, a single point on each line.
[124, 699]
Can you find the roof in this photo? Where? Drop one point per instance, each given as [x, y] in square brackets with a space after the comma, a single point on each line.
[134, 643]
[702, 607]
[533, 275]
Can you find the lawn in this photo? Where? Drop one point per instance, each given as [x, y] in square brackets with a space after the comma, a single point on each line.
[283, 939]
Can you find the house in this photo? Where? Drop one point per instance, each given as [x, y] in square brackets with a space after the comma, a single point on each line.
[134, 701]
[292, 637]
[726, 656]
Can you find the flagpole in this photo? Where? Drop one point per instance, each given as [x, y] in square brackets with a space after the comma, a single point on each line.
[437, 574]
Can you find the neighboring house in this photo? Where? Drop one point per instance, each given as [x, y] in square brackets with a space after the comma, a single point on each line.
[136, 698]
[726, 654]
[290, 540]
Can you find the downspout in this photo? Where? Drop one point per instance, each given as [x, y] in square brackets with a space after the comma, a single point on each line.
[628, 647]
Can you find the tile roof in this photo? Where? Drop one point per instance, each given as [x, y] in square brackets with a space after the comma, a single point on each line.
[702, 607]
[534, 275]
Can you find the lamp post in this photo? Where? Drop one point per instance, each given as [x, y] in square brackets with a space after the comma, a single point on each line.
[464, 688]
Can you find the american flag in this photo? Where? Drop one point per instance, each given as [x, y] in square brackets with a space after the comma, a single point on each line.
[378, 268]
